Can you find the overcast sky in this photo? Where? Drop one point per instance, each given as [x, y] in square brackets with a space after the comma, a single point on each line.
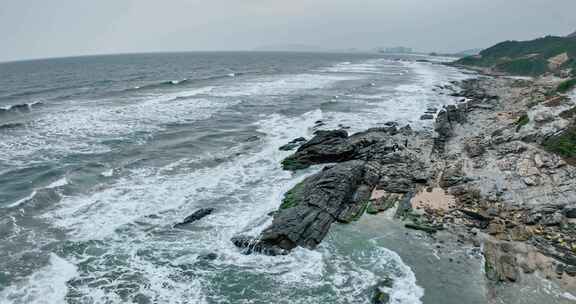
[48, 28]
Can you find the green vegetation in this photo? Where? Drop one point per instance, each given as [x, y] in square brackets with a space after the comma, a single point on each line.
[291, 197]
[563, 144]
[370, 209]
[566, 86]
[526, 58]
[522, 121]
[524, 66]
[360, 212]
[292, 164]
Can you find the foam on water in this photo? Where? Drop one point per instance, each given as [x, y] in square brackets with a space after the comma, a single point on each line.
[403, 103]
[243, 193]
[58, 183]
[81, 128]
[47, 286]
[278, 85]
[23, 200]
[121, 236]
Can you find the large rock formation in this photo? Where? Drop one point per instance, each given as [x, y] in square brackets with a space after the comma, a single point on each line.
[377, 159]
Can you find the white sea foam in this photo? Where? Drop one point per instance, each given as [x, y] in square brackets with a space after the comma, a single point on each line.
[46, 286]
[81, 128]
[133, 216]
[58, 183]
[108, 173]
[248, 188]
[402, 103]
[23, 200]
[278, 85]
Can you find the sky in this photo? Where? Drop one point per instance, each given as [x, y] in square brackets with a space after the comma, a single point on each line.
[54, 28]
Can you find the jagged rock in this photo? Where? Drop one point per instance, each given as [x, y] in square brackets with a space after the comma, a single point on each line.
[427, 117]
[570, 270]
[199, 214]
[325, 147]
[251, 245]
[500, 263]
[452, 176]
[570, 211]
[475, 146]
[323, 199]
[477, 215]
[396, 184]
[554, 219]
[295, 143]
[384, 203]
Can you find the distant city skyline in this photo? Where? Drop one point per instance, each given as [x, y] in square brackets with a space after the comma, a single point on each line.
[40, 29]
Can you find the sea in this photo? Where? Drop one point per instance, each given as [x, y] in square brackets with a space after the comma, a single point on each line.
[100, 157]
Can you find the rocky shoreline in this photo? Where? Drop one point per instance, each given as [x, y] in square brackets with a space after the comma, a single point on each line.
[488, 173]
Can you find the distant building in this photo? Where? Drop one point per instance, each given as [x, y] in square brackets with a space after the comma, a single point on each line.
[397, 50]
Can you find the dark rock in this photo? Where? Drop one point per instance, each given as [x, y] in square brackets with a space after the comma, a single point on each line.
[425, 228]
[570, 270]
[453, 175]
[199, 214]
[324, 147]
[477, 215]
[208, 257]
[380, 295]
[570, 211]
[324, 198]
[295, 143]
[554, 219]
[500, 265]
[474, 146]
[251, 245]
[533, 218]
[427, 117]
[396, 184]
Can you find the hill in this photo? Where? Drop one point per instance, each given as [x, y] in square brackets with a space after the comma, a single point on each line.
[527, 58]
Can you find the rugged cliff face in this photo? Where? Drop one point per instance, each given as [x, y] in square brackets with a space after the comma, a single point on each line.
[548, 55]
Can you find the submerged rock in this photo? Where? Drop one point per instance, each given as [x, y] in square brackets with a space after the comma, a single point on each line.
[251, 245]
[381, 295]
[199, 214]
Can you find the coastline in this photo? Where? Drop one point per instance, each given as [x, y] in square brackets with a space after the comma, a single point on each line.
[483, 177]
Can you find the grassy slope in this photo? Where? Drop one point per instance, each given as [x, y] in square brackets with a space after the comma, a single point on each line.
[527, 58]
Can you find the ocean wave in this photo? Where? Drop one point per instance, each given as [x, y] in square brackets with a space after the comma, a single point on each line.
[182, 82]
[47, 286]
[145, 203]
[19, 108]
[13, 125]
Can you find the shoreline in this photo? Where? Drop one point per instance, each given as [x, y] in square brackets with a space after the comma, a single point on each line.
[484, 177]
